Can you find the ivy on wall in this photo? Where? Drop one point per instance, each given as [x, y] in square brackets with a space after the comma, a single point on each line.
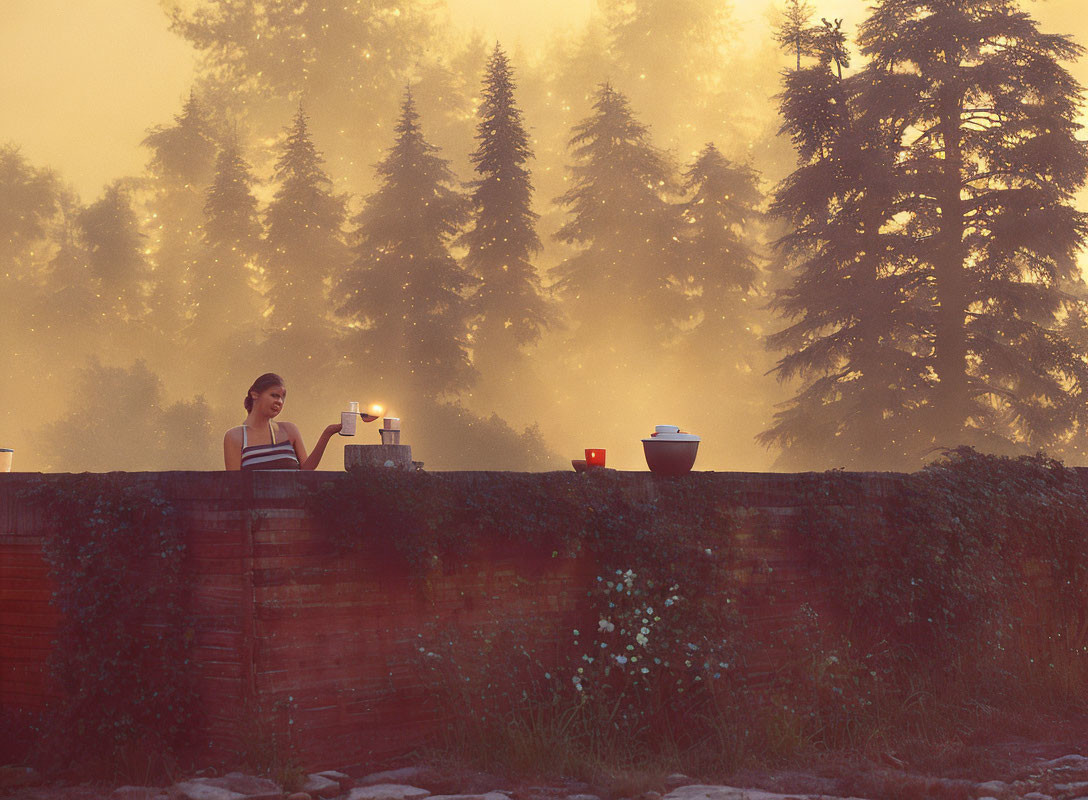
[943, 573]
[121, 657]
[660, 644]
[938, 592]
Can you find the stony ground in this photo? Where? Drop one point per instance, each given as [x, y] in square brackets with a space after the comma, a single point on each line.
[1026, 776]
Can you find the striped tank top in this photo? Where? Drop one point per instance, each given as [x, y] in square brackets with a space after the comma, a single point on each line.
[268, 456]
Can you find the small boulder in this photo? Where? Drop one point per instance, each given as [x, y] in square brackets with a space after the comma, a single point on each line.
[676, 780]
[232, 786]
[135, 793]
[347, 783]
[199, 789]
[299, 796]
[388, 791]
[321, 786]
[404, 775]
[1072, 761]
[252, 787]
[995, 788]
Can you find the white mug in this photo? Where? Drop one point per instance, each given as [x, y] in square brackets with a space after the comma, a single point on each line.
[6, 455]
[347, 422]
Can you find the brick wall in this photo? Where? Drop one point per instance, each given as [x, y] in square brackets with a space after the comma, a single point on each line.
[315, 647]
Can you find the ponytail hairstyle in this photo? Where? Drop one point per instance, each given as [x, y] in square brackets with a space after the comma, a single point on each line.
[266, 381]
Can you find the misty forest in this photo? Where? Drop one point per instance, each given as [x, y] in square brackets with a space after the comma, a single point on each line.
[826, 250]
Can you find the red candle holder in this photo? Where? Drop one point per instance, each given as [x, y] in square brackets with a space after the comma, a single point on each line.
[595, 457]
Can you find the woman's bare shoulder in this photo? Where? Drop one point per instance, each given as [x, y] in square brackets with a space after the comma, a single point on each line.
[233, 435]
[289, 428]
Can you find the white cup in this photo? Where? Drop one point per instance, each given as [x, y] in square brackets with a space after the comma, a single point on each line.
[347, 422]
[5, 459]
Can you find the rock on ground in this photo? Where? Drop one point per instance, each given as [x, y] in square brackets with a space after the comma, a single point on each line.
[388, 791]
[321, 786]
[137, 793]
[405, 775]
[704, 792]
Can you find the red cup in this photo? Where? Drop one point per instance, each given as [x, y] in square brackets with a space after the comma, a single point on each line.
[594, 457]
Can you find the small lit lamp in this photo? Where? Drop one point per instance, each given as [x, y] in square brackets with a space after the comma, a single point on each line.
[595, 457]
[390, 431]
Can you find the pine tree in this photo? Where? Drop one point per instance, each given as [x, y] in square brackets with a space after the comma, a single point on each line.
[510, 309]
[346, 59]
[992, 162]
[182, 154]
[116, 252]
[303, 243]
[667, 55]
[29, 198]
[852, 337]
[616, 290]
[182, 158]
[224, 291]
[720, 267]
[795, 32]
[405, 292]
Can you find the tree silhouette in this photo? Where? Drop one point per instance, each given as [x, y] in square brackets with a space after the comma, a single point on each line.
[404, 293]
[115, 252]
[991, 162]
[852, 313]
[934, 242]
[616, 290]
[720, 270]
[127, 406]
[181, 165]
[345, 60]
[226, 298]
[795, 32]
[510, 309]
[303, 244]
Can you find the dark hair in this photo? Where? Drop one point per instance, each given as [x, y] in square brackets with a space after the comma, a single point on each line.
[266, 381]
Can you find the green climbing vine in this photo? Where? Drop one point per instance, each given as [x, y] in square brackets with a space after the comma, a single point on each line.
[121, 659]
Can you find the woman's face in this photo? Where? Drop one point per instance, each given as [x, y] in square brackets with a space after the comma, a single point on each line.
[270, 402]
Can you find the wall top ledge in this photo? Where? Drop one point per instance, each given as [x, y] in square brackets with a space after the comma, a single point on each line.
[289, 489]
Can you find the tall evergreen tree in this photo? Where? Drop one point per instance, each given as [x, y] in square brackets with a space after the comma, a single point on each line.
[29, 198]
[794, 31]
[181, 166]
[616, 290]
[853, 320]
[668, 55]
[720, 268]
[347, 59]
[935, 240]
[510, 309]
[116, 252]
[304, 243]
[405, 293]
[992, 163]
[225, 294]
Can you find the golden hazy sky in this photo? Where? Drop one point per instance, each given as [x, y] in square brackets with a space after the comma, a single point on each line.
[81, 82]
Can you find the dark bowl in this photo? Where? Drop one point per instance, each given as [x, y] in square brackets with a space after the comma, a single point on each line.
[670, 458]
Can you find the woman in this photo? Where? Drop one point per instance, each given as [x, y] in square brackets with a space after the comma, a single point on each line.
[260, 443]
